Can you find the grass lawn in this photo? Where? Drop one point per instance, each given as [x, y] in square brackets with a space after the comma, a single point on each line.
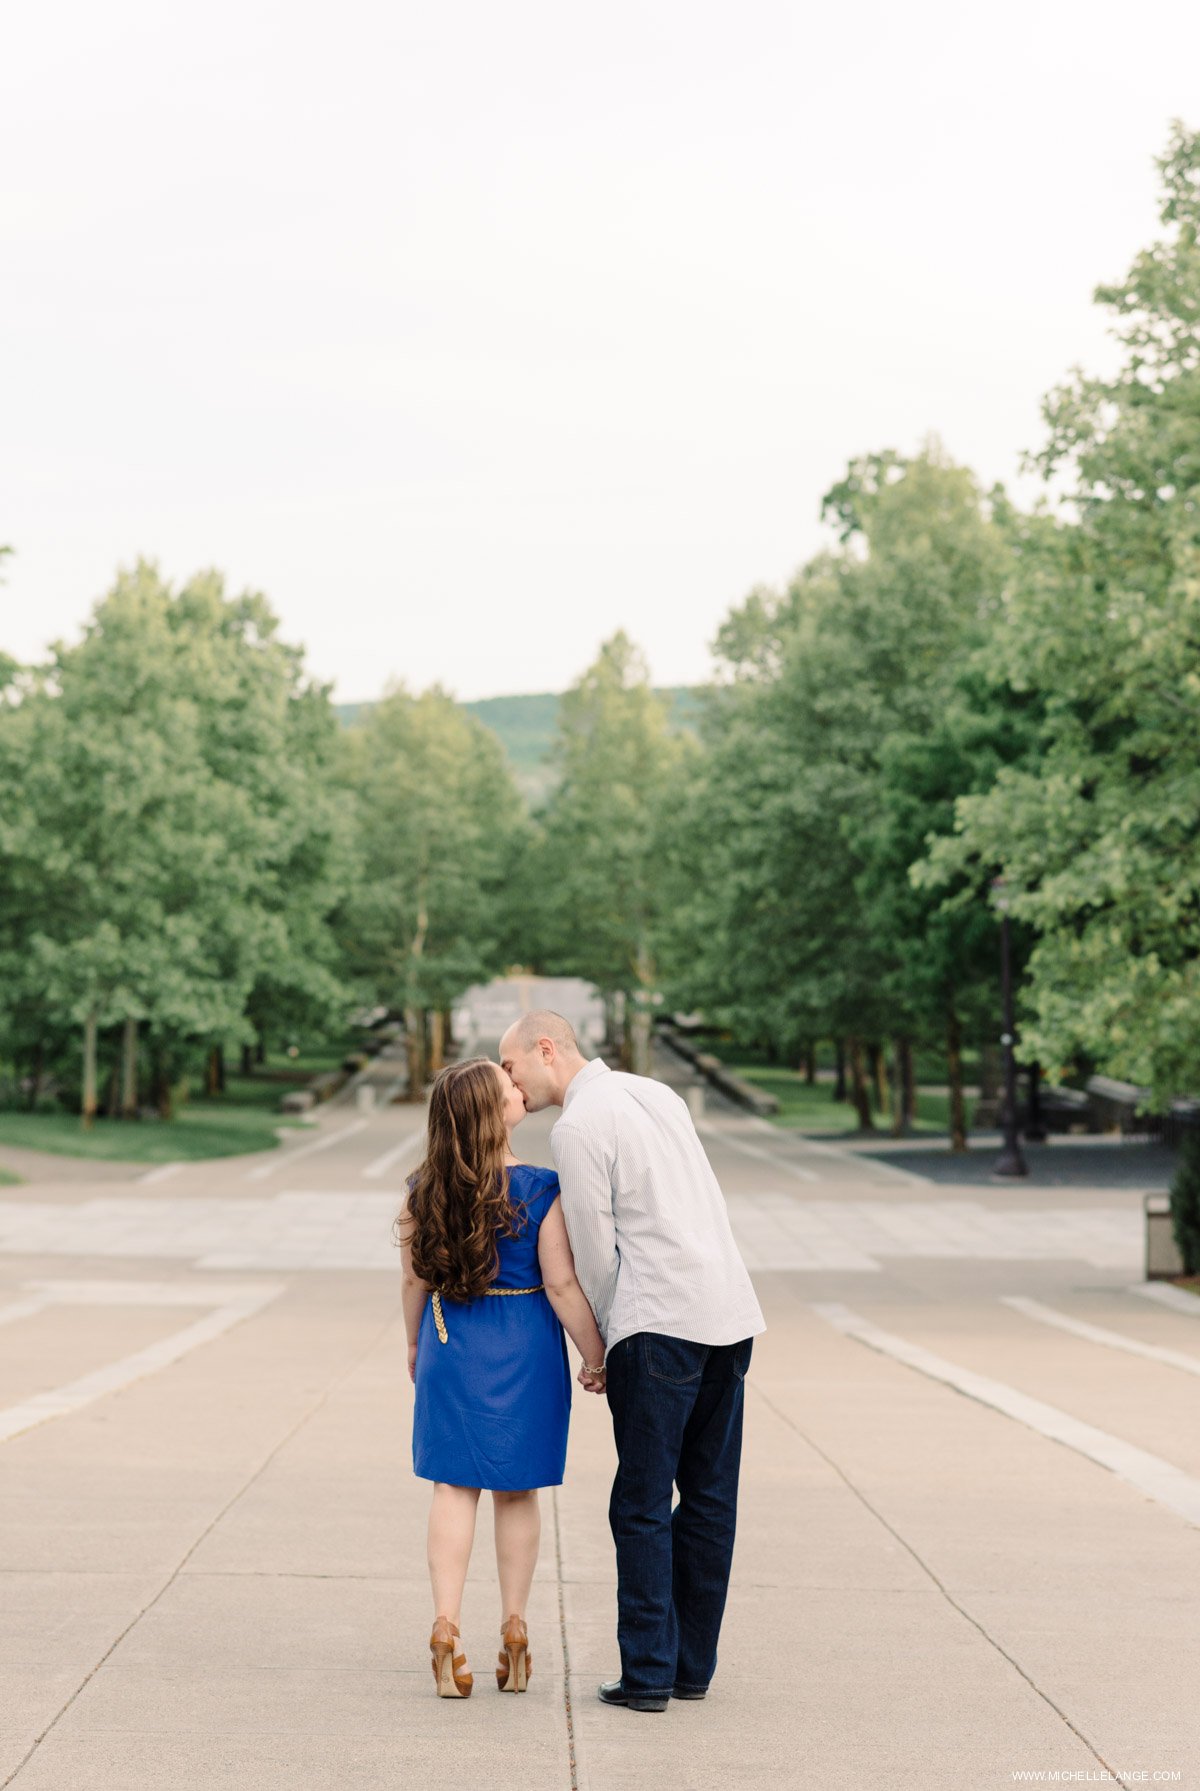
[309, 1063]
[312, 1059]
[812, 1109]
[202, 1129]
[933, 1110]
[244, 1093]
[802, 1108]
[243, 1119]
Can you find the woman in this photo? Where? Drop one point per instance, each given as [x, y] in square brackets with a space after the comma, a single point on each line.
[489, 1286]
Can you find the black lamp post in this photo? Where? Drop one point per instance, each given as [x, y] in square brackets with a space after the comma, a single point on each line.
[1035, 1130]
[1010, 1161]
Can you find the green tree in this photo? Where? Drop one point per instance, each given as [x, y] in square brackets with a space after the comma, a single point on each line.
[601, 880]
[164, 825]
[943, 968]
[803, 923]
[439, 885]
[1099, 841]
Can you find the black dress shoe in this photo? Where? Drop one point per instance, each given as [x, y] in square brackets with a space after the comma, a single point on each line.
[691, 1697]
[614, 1693]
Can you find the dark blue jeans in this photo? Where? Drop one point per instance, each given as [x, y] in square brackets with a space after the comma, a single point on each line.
[677, 1418]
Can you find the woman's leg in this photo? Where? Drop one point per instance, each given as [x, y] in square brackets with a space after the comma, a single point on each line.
[518, 1533]
[451, 1533]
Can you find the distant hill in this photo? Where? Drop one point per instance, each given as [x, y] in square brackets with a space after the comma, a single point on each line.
[526, 725]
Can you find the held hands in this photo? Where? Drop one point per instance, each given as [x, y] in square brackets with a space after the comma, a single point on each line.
[592, 1380]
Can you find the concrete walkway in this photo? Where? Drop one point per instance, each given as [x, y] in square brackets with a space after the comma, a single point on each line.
[970, 1522]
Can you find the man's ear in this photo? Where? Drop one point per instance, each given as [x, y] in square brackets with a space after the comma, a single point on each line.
[546, 1047]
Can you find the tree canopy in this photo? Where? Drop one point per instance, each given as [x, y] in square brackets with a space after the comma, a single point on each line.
[955, 689]
[1097, 835]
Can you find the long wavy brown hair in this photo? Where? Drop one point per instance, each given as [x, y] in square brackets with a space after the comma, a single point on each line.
[458, 1199]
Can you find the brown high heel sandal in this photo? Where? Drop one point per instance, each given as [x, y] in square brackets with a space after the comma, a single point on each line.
[516, 1662]
[449, 1669]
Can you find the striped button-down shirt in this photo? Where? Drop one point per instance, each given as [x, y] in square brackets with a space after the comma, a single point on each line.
[646, 1217]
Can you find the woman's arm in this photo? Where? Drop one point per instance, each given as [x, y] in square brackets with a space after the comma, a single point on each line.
[414, 1294]
[567, 1297]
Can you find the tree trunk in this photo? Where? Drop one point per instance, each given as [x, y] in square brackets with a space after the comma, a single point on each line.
[36, 1074]
[879, 1076]
[839, 1080]
[904, 1093]
[909, 1082]
[954, 1076]
[858, 1086]
[641, 1020]
[626, 1057]
[214, 1072]
[414, 1039]
[1034, 1130]
[639, 1034]
[88, 1106]
[260, 1049]
[129, 1049]
[416, 1019]
[111, 1104]
[899, 1115]
[161, 1092]
[616, 1026]
[247, 1060]
[437, 1041]
[809, 1062]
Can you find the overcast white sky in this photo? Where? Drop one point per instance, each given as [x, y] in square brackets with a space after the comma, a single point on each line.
[470, 333]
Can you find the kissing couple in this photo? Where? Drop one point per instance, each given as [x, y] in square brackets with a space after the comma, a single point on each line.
[625, 1247]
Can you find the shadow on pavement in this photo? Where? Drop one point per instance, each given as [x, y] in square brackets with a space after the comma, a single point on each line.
[1063, 1163]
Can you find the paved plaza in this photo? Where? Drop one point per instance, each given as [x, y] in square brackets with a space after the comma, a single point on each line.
[332, 1228]
[970, 1521]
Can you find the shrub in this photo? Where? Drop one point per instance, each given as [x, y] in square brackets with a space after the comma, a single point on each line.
[1185, 1202]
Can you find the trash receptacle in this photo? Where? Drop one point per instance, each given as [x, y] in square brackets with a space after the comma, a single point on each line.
[1163, 1260]
[364, 1097]
[695, 1100]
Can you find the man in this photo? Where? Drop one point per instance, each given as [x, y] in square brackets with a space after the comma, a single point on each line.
[656, 1258]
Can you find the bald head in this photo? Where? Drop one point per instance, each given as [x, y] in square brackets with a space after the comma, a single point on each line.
[543, 1024]
[541, 1054]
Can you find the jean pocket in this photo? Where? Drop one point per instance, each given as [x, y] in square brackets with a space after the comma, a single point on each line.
[741, 1357]
[673, 1359]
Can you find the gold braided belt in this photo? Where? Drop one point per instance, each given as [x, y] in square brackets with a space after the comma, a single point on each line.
[439, 1318]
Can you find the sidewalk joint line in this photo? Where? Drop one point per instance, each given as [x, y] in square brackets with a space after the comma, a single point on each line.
[1152, 1475]
[175, 1572]
[752, 1150]
[285, 1158]
[115, 1377]
[572, 1746]
[396, 1154]
[840, 1153]
[1078, 1327]
[928, 1571]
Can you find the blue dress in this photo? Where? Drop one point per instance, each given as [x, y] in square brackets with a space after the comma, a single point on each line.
[494, 1401]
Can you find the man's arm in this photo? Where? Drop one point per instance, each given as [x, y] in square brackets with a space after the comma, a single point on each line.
[584, 1173]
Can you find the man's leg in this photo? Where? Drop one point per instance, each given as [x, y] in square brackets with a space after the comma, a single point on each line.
[705, 1519]
[653, 1382]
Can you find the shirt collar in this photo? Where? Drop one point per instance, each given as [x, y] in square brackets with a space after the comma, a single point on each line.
[589, 1073]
